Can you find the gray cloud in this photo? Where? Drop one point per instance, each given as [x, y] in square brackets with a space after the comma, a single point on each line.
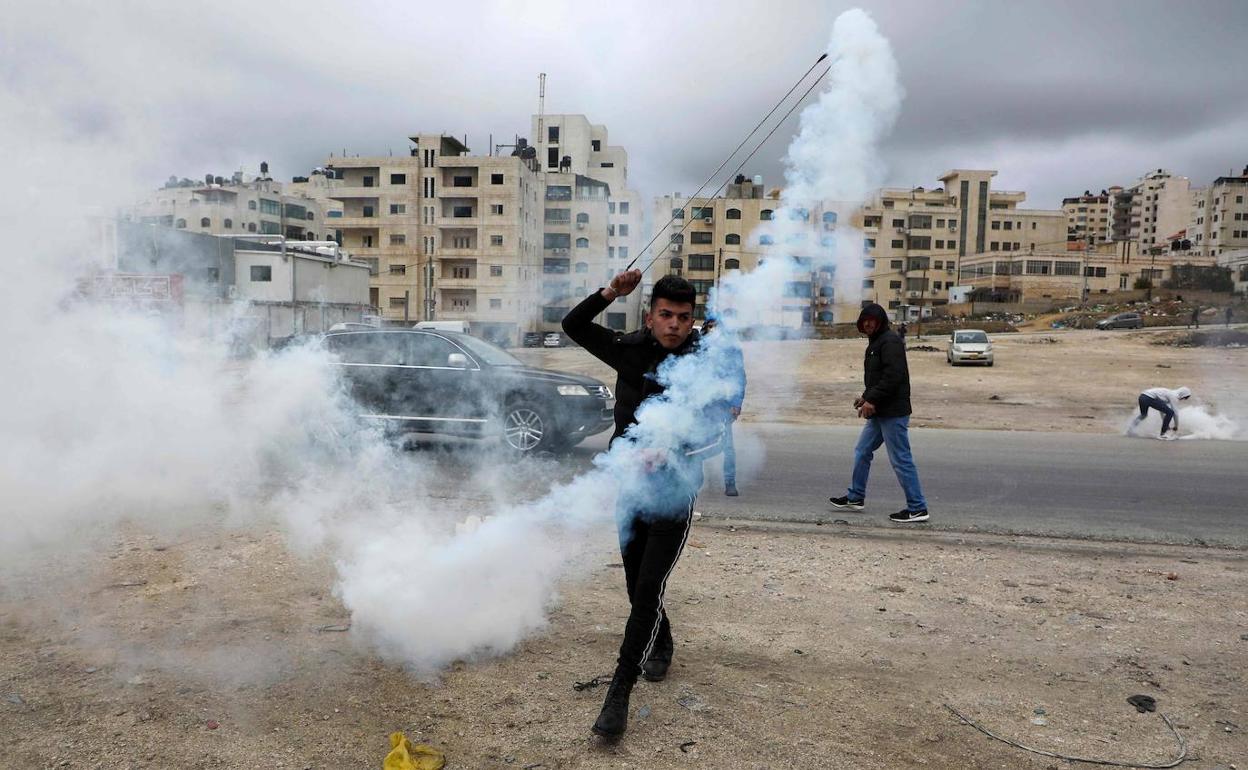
[1057, 96]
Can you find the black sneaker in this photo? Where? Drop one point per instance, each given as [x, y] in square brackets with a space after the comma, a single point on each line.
[731, 490]
[908, 517]
[845, 503]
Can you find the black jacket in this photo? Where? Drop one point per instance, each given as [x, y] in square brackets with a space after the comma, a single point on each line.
[634, 356]
[885, 373]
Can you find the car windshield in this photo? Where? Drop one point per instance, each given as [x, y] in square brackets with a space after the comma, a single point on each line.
[484, 351]
[970, 337]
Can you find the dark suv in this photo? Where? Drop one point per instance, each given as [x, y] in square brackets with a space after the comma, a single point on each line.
[450, 383]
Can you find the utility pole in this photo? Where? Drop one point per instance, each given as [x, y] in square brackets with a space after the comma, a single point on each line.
[1087, 254]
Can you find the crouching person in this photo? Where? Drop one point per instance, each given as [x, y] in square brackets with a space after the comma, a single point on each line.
[655, 510]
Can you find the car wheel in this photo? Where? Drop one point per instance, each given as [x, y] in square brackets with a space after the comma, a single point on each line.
[527, 428]
[990, 363]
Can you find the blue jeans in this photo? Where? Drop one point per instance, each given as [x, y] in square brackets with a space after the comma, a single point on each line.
[730, 457]
[894, 434]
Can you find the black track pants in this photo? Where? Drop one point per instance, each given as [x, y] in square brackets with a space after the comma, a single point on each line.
[650, 545]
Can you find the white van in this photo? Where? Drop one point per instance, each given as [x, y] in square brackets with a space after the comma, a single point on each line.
[443, 326]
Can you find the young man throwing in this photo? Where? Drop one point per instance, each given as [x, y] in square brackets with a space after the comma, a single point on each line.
[885, 404]
[1166, 402]
[655, 513]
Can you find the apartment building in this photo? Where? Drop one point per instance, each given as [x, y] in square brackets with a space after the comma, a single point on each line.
[236, 205]
[1090, 216]
[568, 144]
[449, 235]
[705, 239]
[914, 240]
[1219, 217]
[1151, 210]
[576, 230]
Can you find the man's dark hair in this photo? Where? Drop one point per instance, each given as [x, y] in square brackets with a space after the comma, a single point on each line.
[674, 289]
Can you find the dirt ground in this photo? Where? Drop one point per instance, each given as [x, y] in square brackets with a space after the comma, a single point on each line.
[797, 647]
[1075, 381]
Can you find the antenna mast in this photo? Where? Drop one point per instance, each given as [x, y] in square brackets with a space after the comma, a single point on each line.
[541, 107]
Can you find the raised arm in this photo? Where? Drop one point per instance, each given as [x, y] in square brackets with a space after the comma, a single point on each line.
[579, 322]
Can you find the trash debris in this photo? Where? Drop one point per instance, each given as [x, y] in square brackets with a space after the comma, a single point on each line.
[1039, 721]
[643, 712]
[837, 521]
[212, 724]
[128, 584]
[405, 755]
[994, 397]
[684, 747]
[592, 683]
[1032, 600]
[15, 699]
[333, 629]
[1143, 703]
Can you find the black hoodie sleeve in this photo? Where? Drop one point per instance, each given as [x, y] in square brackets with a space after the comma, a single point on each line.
[598, 340]
[893, 371]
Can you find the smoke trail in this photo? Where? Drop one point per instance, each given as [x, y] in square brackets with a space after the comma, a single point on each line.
[1195, 423]
[518, 551]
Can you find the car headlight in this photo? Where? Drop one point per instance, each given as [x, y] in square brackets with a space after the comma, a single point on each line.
[573, 390]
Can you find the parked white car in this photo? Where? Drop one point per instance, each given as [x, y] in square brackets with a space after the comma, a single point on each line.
[552, 340]
[969, 346]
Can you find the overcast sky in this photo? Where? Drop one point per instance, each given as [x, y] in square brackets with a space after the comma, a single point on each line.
[1058, 97]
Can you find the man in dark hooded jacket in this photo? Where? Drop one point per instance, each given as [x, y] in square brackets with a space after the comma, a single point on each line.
[885, 404]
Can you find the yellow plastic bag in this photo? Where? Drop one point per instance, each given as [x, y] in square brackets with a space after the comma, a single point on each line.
[404, 755]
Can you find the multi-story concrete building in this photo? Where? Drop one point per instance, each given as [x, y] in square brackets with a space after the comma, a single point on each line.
[449, 235]
[1153, 209]
[1219, 217]
[1090, 216]
[236, 206]
[914, 240]
[705, 239]
[1049, 274]
[568, 144]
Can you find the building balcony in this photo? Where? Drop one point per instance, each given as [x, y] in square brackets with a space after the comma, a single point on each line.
[473, 253]
[345, 222]
[355, 192]
[458, 284]
[448, 190]
[473, 221]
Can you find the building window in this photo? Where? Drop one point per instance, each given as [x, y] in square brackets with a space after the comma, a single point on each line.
[696, 237]
[895, 264]
[181, 223]
[899, 223]
[496, 209]
[582, 243]
[251, 226]
[595, 145]
[701, 262]
[461, 272]
[398, 208]
[552, 134]
[868, 283]
[205, 222]
[676, 263]
[678, 213]
[1038, 267]
[766, 240]
[606, 165]
[367, 211]
[398, 270]
[996, 225]
[461, 212]
[496, 178]
[496, 240]
[368, 181]
[398, 179]
[732, 239]
[994, 246]
[765, 215]
[398, 239]
[623, 207]
[261, 273]
[622, 230]
[868, 263]
[898, 244]
[732, 264]
[829, 217]
[581, 267]
[251, 205]
[270, 207]
[894, 284]
[940, 244]
[496, 271]
[398, 302]
[582, 218]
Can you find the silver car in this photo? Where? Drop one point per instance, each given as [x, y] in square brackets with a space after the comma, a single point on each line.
[969, 346]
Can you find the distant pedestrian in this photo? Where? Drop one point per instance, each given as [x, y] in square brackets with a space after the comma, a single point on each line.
[1195, 317]
[885, 405]
[734, 364]
[1228, 315]
[1166, 402]
[901, 331]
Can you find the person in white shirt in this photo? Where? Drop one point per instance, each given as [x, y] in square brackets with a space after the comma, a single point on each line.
[1166, 402]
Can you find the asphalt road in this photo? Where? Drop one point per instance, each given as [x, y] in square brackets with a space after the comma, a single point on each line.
[1055, 484]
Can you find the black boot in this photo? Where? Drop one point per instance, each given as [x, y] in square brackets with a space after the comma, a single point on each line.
[655, 667]
[613, 720]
